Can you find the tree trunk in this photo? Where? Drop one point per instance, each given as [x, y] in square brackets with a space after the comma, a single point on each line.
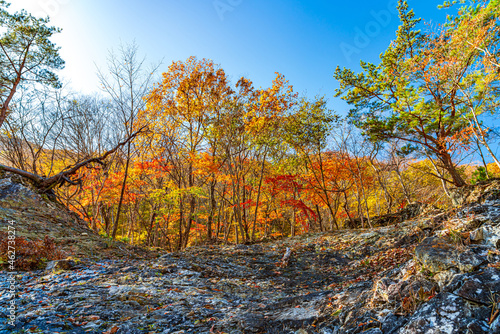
[458, 181]
[152, 218]
[366, 203]
[346, 208]
[479, 133]
[181, 221]
[213, 207]
[258, 194]
[387, 195]
[320, 220]
[122, 193]
[192, 204]
[443, 183]
[403, 185]
[482, 158]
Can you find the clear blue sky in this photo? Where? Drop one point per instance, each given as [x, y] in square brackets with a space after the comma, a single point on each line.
[303, 39]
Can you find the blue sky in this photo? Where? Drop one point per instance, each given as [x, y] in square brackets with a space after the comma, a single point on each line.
[304, 40]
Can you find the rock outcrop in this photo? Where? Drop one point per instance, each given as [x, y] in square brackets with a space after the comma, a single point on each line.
[412, 210]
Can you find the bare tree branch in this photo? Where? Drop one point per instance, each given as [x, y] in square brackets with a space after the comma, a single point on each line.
[46, 184]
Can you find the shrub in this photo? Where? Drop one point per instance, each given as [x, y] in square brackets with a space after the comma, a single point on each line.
[29, 254]
[480, 174]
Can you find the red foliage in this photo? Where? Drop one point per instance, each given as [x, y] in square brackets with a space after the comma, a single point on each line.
[298, 204]
[30, 254]
[155, 165]
[284, 183]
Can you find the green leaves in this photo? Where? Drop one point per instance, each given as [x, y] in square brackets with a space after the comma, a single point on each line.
[309, 126]
[26, 54]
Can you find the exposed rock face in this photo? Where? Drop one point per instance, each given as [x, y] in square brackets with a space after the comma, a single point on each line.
[438, 255]
[479, 287]
[486, 192]
[412, 210]
[60, 265]
[445, 313]
[438, 273]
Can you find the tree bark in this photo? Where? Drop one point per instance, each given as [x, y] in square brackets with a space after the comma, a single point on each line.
[258, 194]
[122, 193]
[458, 181]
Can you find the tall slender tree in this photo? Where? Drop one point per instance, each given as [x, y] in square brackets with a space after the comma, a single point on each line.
[127, 85]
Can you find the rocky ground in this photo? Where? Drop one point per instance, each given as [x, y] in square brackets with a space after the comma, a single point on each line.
[437, 273]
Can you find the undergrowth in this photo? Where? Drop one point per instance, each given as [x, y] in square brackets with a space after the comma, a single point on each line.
[28, 254]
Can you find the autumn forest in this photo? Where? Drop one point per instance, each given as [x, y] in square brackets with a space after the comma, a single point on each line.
[193, 156]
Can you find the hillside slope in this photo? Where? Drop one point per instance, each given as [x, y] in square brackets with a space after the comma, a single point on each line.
[34, 216]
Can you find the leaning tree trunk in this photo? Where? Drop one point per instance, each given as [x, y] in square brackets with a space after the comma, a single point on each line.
[458, 181]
